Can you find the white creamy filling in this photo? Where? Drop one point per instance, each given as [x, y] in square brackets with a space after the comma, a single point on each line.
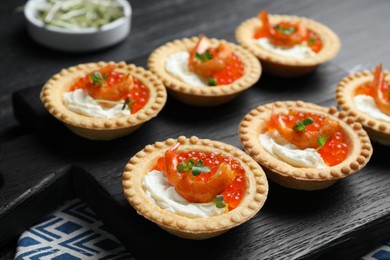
[366, 104]
[157, 188]
[177, 65]
[274, 144]
[80, 102]
[297, 51]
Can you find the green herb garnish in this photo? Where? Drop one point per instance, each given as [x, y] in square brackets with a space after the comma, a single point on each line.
[97, 79]
[285, 30]
[300, 126]
[195, 168]
[199, 167]
[204, 56]
[105, 75]
[128, 103]
[219, 202]
[312, 40]
[322, 141]
[388, 95]
[212, 82]
[186, 167]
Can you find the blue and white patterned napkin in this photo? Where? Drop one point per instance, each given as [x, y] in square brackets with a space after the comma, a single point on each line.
[380, 253]
[72, 232]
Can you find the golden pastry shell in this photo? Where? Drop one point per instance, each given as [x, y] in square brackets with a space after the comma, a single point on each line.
[284, 66]
[203, 96]
[197, 228]
[101, 128]
[255, 122]
[378, 130]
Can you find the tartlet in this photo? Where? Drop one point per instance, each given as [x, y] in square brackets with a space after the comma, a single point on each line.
[98, 128]
[255, 123]
[203, 96]
[283, 66]
[194, 228]
[378, 130]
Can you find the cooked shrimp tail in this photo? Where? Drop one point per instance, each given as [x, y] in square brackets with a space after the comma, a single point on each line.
[381, 100]
[171, 172]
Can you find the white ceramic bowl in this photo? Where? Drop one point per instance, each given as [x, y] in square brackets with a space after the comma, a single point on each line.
[81, 40]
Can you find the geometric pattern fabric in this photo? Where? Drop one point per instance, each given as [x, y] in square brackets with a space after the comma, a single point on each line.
[380, 253]
[72, 232]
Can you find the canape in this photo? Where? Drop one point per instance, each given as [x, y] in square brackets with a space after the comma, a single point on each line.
[304, 146]
[288, 46]
[204, 72]
[194, 188]
[365, 95]
[103, 101]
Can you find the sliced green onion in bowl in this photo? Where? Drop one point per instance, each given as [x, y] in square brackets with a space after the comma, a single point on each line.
[79, 14]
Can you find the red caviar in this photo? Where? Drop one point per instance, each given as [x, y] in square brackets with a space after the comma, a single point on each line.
[140, 94]
[233, 70]
[111, 79]
[232, 194]
[335, 149]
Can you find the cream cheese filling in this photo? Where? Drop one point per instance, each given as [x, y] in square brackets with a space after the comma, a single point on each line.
[157, 188]
[367, 105]
[281, 149]
[81, 103]
[297, 51]
[177, 65]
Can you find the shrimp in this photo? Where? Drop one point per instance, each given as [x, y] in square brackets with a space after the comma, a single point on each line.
[197, 191]
[382, 101]
[304, 139]
[220, 58]
[113, 92]
[170, 165]
[205, 191]
[284, 33]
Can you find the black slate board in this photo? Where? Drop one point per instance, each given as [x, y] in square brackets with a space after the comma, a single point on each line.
[342, 221]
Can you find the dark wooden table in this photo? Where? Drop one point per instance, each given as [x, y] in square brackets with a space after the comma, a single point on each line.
[42, 164]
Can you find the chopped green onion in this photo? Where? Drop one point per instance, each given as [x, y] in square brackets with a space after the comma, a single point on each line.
[312, 40]
[300, 126]
[322, 141]
[219, 202]
[285, 30]
[204, 56]
[212, 82]
[97, 79]
[195, 168]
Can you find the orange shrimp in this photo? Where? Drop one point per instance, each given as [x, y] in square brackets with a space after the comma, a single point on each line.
[205, 191]
[304, 139]
[382, 101]
[170, 165]
[284, 33]
[112, 92]
[221, 56]
[197, 191]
